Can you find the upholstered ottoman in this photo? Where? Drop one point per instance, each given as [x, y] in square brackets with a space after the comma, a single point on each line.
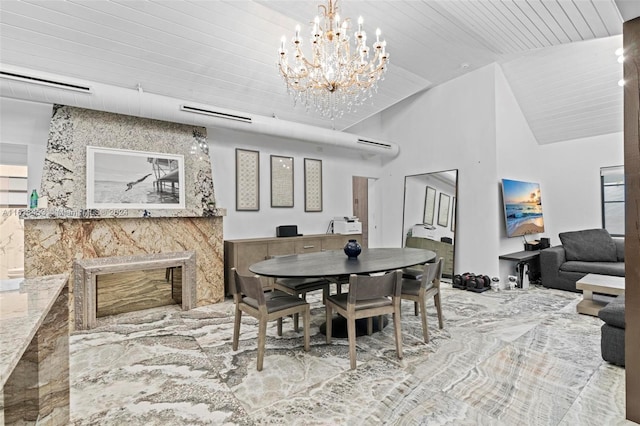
[612, 339]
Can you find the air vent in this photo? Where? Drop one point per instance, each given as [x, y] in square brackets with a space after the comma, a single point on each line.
[217, 114]
[376, 144]
[45, 82]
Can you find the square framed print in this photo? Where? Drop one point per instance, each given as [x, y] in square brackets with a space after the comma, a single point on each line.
[429, 206]
[443, 210]
[281, 181]
[312, 185]
[247, 180]
[119, 178]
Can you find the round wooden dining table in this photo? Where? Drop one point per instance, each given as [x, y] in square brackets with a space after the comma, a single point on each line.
[334, 264]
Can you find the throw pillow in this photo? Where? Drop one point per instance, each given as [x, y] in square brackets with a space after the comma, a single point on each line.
[590, 245]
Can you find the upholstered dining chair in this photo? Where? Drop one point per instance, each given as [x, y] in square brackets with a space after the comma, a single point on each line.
[368, 296]
[420, 290]
[249, 296]
[300, 287]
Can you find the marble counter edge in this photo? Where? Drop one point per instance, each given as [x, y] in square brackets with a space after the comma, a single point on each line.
[9, 338]
[70, 213]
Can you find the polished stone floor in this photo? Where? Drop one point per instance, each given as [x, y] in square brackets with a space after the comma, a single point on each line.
[515, 357]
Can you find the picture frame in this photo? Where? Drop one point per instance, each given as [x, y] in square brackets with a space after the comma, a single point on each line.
[312, 185]
[247, 180]
[281, 181]
[120, 178]
[429, 205]
[443, 210]
[453, 214]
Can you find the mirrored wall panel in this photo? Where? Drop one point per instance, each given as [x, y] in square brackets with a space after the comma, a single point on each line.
[429, 215]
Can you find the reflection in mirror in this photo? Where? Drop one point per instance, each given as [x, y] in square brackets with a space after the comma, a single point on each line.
[429, 216]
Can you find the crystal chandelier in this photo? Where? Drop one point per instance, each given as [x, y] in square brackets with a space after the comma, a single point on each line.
[333, 79]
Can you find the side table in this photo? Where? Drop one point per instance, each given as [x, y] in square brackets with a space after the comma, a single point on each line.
[528, 258]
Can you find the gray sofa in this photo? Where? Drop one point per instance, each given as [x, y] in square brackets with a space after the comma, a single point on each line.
[612, 331]
[591, 251]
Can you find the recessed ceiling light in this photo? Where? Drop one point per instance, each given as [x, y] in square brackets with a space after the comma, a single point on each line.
[619, 51]
[621, 83]
[620, 59]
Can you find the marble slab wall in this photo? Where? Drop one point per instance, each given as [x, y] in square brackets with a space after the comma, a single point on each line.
[51, 246]
[73, 129]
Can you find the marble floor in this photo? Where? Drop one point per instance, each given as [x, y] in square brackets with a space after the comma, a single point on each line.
[515, 357]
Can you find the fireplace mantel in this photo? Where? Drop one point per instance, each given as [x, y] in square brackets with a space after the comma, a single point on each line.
[68, 213]
[52, 244]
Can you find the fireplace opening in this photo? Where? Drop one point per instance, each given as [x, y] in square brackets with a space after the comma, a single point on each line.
[121, 292]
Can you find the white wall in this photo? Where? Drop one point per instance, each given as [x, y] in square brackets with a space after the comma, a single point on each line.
[338, 167]
[451, 126]
[570, 175]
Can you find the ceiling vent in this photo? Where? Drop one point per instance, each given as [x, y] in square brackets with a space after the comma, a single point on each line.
[45, 82]
[216, 114]
[376, 144]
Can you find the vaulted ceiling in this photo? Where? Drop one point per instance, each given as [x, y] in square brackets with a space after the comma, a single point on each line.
[558, 55]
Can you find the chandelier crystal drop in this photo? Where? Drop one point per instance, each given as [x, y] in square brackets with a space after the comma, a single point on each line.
[335, 78]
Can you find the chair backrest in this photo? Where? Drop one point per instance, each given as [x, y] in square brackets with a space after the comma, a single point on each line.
[364, 287]
[247, 286]
[432, 274]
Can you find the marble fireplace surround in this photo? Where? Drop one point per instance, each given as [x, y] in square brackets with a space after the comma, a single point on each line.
[86, 272]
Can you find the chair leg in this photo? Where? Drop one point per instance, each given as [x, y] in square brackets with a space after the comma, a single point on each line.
[279, 326]
[328, 322]
[398, 330]
[415, 308]
[262, 337]
[351, 332]
[423, 315]
[438, 304]
[306, 321]
[369, 326]
[236, 328]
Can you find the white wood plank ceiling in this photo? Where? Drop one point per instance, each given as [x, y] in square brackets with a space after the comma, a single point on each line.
[555, 53]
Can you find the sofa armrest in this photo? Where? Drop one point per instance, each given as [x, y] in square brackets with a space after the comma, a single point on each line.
[619, 248]
[550, 260]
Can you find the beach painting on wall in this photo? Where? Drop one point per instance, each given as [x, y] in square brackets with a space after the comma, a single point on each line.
[522, 207]
[118, 178]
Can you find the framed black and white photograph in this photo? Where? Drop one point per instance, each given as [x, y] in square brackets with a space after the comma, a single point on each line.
[281, 181]
[312, 185]
[443, 210]
[429, 206]
[118, 178]
[247, 180]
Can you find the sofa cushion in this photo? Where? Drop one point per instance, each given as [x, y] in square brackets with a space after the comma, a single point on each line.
[590, 245]
[604, 268]
[613, 313]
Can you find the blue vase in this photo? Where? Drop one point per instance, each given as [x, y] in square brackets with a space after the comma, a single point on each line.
[352, 249]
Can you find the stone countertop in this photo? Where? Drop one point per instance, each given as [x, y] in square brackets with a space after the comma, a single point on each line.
[67, 213]
[24, 303]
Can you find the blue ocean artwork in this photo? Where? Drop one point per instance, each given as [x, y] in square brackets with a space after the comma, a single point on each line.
[523, 207]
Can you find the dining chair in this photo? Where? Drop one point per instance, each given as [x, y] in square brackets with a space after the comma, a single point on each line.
[249, 296]
[300, 287]
[420, 290]
[368, 296]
